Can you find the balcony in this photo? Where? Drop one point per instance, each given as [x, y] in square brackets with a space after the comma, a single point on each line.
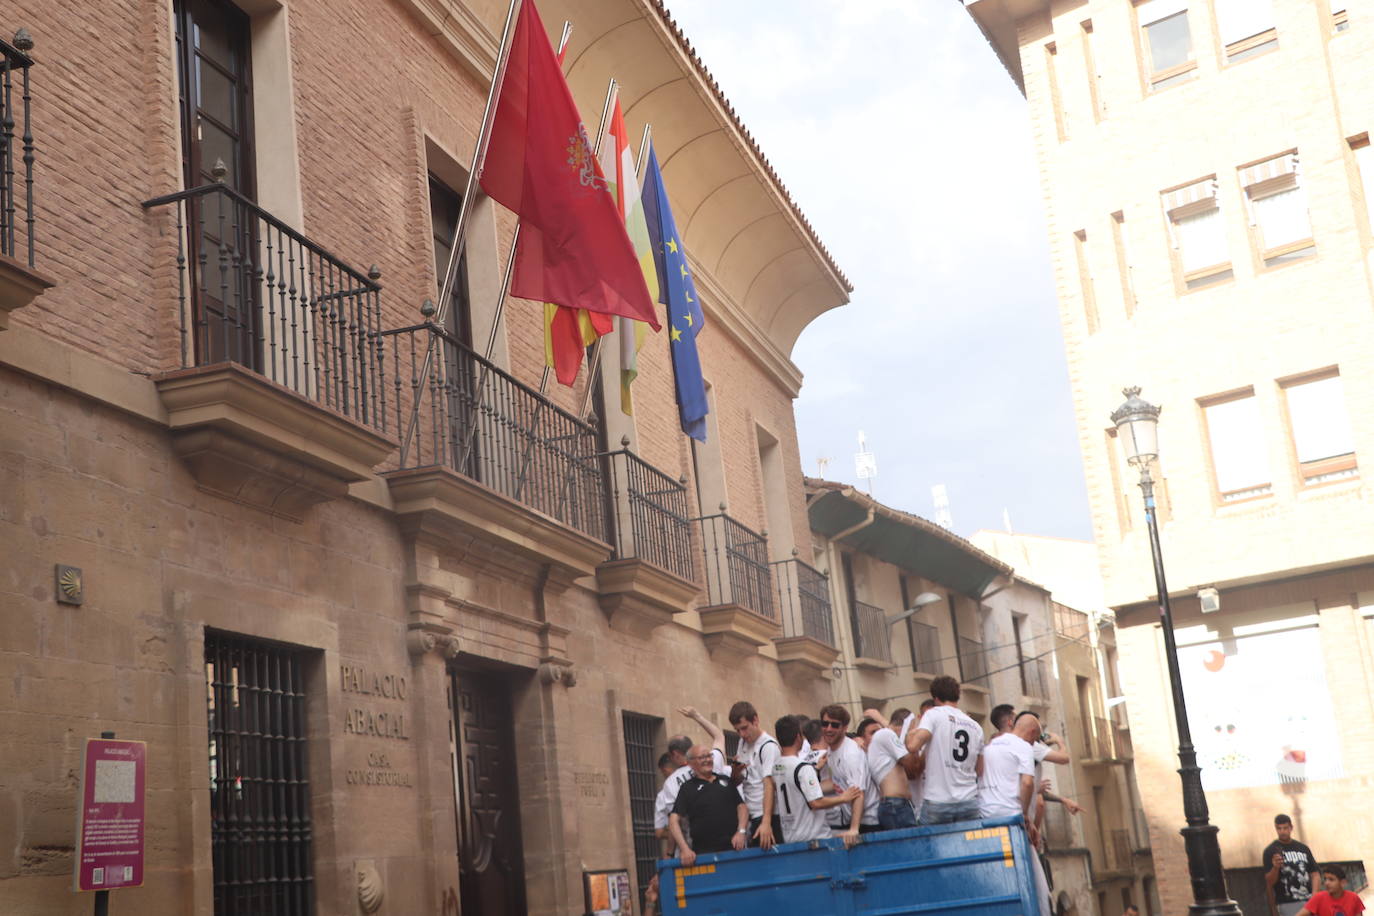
[1117, 852]
[872, 643]
[1071, 624]
[740, 614]
[486, 458]
[1059, 830]
[807, 648]
[973, 662]
[651, 576]
[925, 648]
[278, 401]
[1107, 743]
[20, 284]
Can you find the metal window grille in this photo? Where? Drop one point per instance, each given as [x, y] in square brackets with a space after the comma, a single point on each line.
[641, 765]
[925, 647]
[260, 829]
[974, 659]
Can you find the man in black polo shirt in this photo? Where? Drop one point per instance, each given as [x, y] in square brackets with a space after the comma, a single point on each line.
[719, 818]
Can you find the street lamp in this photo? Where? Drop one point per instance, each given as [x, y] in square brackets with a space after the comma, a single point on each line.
[923, 599]
[1137, 423]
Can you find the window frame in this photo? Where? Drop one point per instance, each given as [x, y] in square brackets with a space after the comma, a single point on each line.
[1283, 255]
[1209, 275]
[1159, 80]
[1320, 467]
[1225, 498]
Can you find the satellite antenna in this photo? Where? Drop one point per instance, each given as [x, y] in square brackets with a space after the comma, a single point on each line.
[943, 518]
[865, 464]
[821, 465]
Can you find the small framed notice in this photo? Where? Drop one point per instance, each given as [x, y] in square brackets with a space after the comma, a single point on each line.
[109, 816]
[608, 893]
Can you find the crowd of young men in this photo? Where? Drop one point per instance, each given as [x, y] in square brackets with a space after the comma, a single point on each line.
[813, 779]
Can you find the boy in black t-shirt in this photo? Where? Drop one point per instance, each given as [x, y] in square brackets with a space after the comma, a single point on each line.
[1291, 872]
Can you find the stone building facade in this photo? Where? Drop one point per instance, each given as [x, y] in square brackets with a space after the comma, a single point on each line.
[1007, 640]
[380, 637]
[1206, 174]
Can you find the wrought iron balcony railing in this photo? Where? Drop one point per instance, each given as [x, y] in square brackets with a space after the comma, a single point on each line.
[973, 660]
[467, 415]
[804, 597]
[16, 145]
[652, 521]
[925, 648]
[871, 638]
[254, 291]
[736, 561]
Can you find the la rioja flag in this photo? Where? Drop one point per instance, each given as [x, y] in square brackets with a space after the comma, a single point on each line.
[573, 248]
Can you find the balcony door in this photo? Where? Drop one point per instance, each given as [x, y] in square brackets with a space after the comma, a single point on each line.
[215, 91]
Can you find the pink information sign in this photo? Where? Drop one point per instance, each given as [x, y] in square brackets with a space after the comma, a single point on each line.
[109, 823]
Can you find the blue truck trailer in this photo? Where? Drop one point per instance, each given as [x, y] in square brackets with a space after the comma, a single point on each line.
[976, 867]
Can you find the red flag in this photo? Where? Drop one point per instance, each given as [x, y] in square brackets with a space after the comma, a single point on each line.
[573, 250]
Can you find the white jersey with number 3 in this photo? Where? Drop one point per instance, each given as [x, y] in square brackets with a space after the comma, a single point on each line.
[797, 784]
[951, 755]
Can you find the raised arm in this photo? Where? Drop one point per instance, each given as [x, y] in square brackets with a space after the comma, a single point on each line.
[712, 729]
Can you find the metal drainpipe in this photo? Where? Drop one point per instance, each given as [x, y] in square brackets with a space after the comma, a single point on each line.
[851, 678]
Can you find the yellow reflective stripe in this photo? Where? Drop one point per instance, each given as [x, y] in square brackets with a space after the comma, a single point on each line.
[681, 875]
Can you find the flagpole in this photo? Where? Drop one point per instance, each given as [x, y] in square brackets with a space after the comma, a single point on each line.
[464, 209]
[594, 364]
[611, 89]
[514, 240]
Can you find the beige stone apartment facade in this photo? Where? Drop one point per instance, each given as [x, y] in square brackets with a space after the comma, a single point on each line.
[1008, 641]
[1204, 168]
[440, 667]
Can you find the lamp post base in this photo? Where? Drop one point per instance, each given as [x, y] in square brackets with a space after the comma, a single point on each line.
[1204, 868]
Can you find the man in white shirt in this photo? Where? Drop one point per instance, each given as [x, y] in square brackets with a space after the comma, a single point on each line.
[953, 745]
[801, 803]
[678, 748]
[1007, 787]
[753, 773]
[885, 754]
[848, 767]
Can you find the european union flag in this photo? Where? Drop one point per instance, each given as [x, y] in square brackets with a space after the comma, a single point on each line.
[679, 294]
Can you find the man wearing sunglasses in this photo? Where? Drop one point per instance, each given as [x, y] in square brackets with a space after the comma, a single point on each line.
[848, 766]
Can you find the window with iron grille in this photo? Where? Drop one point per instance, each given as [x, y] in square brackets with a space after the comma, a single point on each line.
[641, 765]
[260, 830]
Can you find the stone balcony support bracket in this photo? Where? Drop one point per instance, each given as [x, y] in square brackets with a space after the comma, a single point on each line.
[734, 633]
[19, 286]
[255, 442]
[802, 659]
[638, 597]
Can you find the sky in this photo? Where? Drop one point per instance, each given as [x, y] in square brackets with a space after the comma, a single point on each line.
[902, 138]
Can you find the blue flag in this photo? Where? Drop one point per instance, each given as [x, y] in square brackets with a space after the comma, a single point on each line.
[679, 294]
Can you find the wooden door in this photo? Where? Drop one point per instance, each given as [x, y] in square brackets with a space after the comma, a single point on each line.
[214, 81]
[490, 857]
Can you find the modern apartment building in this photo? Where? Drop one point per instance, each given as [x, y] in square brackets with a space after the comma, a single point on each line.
[1205, 168]
[1008, 641]
[391, 639]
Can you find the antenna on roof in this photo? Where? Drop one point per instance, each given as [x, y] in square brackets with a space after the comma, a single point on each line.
[865, 464]
[821, 464]
[943, 518]
[1006, 519]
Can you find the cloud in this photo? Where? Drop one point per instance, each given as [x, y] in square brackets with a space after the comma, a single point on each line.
[900, 135]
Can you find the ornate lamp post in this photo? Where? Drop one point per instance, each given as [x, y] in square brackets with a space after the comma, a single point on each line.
[1137, 424]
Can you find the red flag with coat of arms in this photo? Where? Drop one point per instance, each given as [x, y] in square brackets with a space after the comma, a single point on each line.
[573, 250]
